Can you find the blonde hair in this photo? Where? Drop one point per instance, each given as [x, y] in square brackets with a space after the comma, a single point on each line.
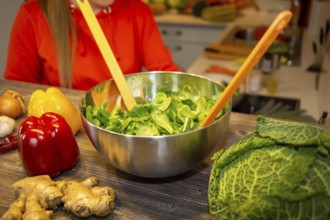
[59, 18]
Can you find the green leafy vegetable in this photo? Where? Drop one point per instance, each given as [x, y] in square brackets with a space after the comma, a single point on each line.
[169, 113]
[280, 171]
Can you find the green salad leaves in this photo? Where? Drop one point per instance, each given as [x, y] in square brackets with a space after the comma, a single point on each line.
[280, 171]
[168, 113]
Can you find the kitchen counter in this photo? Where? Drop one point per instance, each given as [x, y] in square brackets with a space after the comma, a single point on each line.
[180, 197]
[247, 17]
[186, 19]
[294, 81]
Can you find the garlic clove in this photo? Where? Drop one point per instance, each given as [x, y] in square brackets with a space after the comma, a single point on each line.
[7, 126]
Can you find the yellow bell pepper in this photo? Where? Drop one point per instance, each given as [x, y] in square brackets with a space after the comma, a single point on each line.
[53, 100]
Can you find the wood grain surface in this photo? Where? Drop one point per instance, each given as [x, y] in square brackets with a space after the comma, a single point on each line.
[180, 197]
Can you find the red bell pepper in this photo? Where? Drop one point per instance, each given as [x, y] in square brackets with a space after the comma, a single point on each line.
[46, 145]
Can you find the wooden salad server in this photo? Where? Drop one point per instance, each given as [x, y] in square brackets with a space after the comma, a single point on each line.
[107, 54]
[281, 20]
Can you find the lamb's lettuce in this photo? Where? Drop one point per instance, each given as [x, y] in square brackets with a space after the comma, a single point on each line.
[280, 171]
[168, 113]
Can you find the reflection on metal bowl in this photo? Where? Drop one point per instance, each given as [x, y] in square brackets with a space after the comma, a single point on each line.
[155, 156]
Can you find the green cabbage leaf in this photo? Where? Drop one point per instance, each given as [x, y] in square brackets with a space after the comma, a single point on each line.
[279, 171]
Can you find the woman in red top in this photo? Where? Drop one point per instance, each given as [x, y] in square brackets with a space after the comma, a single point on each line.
[51, 43]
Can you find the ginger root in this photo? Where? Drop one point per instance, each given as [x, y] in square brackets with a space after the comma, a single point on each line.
[33, 210]
[43, 187]
[16, 209]
[86, 198]
[38, 196]
[35, 195]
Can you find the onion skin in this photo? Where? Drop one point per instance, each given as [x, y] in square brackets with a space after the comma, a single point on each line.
[11, 104]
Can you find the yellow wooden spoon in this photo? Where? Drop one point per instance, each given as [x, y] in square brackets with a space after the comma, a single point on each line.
[267, 39]
[107, 54]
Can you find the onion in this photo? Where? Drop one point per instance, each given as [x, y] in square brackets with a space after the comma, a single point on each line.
[11, 104]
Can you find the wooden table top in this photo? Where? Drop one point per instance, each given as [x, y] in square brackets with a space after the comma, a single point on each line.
[180, 197]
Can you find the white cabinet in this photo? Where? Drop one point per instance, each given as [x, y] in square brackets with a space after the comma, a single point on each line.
[187, 42]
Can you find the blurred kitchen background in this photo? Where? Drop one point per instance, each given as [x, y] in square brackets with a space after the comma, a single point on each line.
[212, 38]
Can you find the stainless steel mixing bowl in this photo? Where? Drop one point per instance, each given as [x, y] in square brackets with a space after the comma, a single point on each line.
[155, 156]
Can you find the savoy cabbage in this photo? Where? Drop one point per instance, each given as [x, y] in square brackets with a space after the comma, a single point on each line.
[280, 171]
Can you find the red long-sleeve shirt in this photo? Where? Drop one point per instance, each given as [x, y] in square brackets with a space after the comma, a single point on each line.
[129, 28]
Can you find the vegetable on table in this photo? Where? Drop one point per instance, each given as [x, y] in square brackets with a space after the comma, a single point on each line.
[11, 104]
[87, 198]
[53, 100]
[7, 126]
[8, 143]
[38, 196]
[280, 171]
[46, 145]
